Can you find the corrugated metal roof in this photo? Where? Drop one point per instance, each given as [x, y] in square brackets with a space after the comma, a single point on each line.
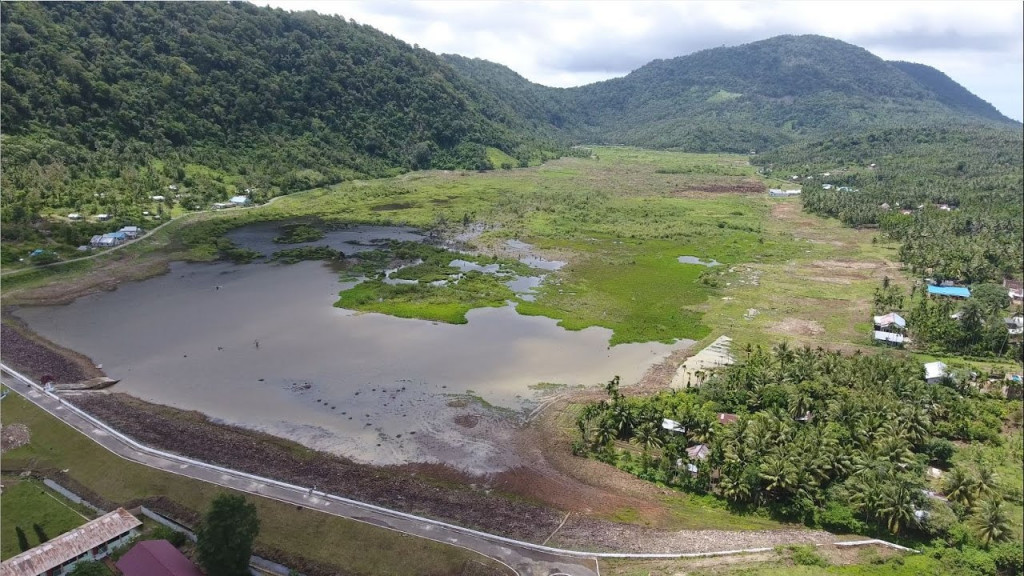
[934, 370]
[156, 558]
[889, 337]
[70, 544]
[958, 291]
[890, 319]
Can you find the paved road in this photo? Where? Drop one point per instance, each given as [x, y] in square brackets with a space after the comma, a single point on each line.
[524, 558]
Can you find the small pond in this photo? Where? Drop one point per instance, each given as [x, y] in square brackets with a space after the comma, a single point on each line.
[696, 260]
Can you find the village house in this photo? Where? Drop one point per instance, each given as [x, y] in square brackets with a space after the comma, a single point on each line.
[891, 322]
[694, 453]
[74, 216]
[1015, 325]
[889, 338]
[779, 193]
[949, 291]
[672, 426]
[103, 217]
[157, 198]
[1014, 290]
[934, 372]
[109, 239]
[725, 418]
[94, 540]
[131, 232]
[240, 200]
[156, 558]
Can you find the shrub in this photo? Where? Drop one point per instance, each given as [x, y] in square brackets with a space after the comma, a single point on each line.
[839, 518]
[177, 539]
[807, 556]
[1009, 558]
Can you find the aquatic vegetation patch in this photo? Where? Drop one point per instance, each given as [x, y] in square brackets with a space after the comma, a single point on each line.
[448, 303]
[298, 234]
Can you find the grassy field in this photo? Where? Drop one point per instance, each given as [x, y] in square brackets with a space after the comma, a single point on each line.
[39, 512]
[346, 545]
[620, 219]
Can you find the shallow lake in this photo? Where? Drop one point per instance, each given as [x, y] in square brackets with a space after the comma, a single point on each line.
[369, 386]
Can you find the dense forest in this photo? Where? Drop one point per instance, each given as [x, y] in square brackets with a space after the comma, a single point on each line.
[145, 110]
[842, 442]
[107, 104]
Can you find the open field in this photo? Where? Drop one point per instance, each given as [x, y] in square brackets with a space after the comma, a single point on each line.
[620, 219]
[310, 542]
[27, 504]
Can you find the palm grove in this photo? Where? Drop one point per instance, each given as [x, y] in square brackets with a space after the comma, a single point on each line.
[838, 441]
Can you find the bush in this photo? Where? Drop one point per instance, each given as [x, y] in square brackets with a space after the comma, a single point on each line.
[838, 518]
[939, 451]
[1009, 558]
[177, 539]
[807, 556]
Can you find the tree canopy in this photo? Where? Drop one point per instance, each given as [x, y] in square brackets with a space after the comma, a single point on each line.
[225, 537]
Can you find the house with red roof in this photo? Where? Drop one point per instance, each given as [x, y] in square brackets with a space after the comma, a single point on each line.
[156, 558]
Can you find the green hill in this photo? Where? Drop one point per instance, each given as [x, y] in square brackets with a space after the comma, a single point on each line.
[294, 99]
[106, 105]
[757, 96]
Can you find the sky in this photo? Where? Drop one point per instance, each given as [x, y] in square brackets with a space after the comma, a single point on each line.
[556, 43]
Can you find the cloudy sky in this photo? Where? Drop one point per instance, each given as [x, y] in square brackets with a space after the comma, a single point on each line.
[978, 44]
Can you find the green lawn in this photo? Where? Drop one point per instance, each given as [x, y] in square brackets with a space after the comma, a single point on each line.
[343, 545]
[39, 512]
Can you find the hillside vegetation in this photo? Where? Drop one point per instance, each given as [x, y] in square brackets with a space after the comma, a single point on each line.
[107, 104]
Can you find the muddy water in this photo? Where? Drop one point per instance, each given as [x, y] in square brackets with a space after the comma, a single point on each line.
[372, 387]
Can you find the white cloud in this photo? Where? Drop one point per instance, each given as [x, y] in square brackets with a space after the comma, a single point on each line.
[978, 44]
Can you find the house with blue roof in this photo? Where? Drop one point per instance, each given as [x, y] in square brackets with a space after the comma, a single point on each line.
[949, 291]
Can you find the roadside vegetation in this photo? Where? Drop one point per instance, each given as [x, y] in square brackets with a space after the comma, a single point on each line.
[108, 481]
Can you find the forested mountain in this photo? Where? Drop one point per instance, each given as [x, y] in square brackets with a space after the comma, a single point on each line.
[949, 92]
[757, 96]
[108, 104]
[292, 100]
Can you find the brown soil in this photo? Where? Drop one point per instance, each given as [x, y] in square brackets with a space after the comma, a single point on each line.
[797, 327]
[403, 488]
[13, 436]
[740, 187]
[467, 420]
[106, 275]
[26, 351]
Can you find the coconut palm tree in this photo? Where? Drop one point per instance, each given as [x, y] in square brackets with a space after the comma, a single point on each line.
[991, 522]
[960, 486]
[987, 485]
[898, 504]
[646, 435]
